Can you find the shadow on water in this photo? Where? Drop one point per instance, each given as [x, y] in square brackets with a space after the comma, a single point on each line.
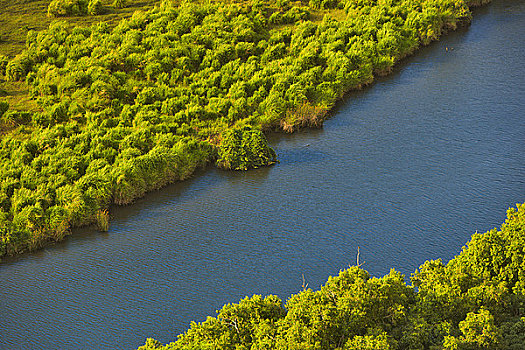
[276, 137]
[399, 172]
[179, 191]
[302, 152]
[423, 54]
[297, 148]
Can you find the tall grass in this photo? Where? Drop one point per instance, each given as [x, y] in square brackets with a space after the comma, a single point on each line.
[102, 218]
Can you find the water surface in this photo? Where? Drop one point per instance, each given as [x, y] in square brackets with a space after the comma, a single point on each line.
[407, 169]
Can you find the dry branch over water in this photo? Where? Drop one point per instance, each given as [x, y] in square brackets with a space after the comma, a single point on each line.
[473, 302]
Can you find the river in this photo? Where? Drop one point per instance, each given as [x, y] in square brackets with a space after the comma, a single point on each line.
[406, 169]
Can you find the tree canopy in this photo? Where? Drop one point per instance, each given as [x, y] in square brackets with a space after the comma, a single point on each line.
[475, 301]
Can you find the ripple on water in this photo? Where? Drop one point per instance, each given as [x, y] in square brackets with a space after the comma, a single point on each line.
[406, 169]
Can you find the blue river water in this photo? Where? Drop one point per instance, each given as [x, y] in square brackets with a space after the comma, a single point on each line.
[406, 169]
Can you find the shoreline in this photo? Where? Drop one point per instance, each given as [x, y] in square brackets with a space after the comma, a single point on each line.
[305, 115]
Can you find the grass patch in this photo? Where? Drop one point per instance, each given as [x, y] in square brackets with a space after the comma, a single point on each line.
[16, 93]
[317, 16]
[19, 17]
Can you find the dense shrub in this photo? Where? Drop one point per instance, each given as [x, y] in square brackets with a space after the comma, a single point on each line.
[126, 109]
[245, 148]
[13, 118]
[119, 4]
[18, 67]
[455, 306]
[94, 7]
[4, 60]
[61, 8]
[4, 106]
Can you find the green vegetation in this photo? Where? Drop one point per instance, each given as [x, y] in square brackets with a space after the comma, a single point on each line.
[102, 218]
[476, 301]
[244, 148]
[58, 8]
[19, 17]
[116, 111]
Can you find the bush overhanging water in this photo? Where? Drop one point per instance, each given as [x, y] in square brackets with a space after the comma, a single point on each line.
[475, 301]
[128, 109]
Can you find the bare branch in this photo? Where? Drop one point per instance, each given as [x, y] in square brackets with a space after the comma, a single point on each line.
[304, 285]
[359, 264]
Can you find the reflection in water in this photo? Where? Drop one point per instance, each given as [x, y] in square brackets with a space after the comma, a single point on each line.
[406, 169]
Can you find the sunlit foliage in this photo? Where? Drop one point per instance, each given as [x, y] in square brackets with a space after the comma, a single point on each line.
[244, 148]
[62, 8]
[473, 302]
[126, 109]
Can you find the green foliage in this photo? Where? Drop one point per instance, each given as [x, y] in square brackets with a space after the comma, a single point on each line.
[126, 108]
[151, 344]
[244, 148]
[478, 332]
[368, 342]
[513, 334]
[292, 15]
[18, 67]
[94, 7]
[14, 118]
[60, 8]
[4, 60]
[356, 311]
[119, 3]
[4, 106]
[102, 220]
[237, 326]
[325, 4]
[349, 305]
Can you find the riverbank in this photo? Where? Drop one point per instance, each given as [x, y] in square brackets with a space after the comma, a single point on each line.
[130, 109]
[472, 302]
[397, 171]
